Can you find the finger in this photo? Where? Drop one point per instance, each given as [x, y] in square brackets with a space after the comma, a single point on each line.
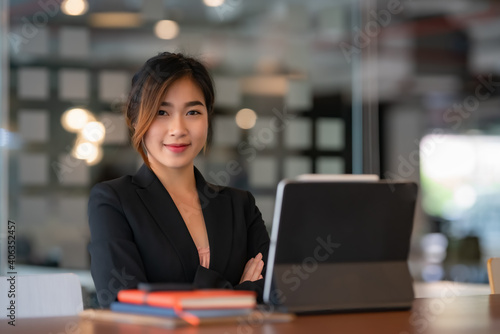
[248, 265]
[252, 268]
[246, 270]
[257, 271]
[261, 266]
[253, 262]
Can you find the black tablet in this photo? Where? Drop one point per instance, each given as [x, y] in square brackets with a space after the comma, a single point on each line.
[340, 244]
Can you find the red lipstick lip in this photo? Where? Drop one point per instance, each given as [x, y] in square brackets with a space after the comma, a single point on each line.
[176, 148]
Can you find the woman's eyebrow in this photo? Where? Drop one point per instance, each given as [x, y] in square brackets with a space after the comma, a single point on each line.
[187, 104]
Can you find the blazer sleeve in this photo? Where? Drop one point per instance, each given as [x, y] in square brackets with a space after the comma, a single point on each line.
[258, 238]
[257, 241]
[115, 260]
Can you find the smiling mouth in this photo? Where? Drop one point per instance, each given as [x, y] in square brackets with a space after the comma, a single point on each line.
[176, 148]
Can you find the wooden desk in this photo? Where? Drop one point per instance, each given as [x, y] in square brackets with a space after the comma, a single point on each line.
[447, 314]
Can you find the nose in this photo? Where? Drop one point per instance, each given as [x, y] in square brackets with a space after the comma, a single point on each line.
[178, 126]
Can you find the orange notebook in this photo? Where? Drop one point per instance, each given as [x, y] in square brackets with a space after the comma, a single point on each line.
[193, 299]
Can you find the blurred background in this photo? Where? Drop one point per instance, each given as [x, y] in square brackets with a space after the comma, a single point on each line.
[408, 90]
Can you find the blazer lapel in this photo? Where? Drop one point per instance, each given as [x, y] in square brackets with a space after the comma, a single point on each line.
[218, 215]
[166, 215]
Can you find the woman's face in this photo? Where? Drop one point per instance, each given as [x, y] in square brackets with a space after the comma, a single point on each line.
[179, 130]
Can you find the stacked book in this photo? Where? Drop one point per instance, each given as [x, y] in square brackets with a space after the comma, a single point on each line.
[171, 309]
[188, 305]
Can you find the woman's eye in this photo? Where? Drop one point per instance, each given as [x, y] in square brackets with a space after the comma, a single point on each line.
[193, 112]
[162, 112]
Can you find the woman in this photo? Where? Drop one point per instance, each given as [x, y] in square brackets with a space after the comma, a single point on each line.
[166, 223]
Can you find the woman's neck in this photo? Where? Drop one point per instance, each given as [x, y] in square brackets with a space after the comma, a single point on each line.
[176, 180]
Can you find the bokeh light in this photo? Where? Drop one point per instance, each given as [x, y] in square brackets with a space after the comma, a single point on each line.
[74, 7]
[75, 119]
[246, 118]
[213, 3]
[94, 132]
[166, 29]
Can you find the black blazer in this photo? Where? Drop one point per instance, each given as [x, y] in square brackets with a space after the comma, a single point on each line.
[138, 235]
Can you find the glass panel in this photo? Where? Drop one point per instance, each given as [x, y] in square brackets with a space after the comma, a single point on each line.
[283, 87]
[4, 134]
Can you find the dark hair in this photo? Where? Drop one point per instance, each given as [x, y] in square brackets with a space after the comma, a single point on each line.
[149, 86]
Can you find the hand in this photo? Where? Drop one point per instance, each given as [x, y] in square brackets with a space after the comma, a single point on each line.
[253, 269]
